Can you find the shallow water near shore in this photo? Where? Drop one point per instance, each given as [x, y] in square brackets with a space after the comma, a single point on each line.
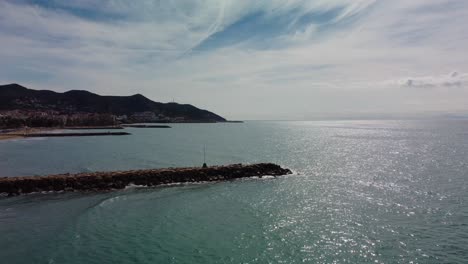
[362, 192]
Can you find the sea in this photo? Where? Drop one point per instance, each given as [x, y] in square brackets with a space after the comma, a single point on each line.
[372, 191]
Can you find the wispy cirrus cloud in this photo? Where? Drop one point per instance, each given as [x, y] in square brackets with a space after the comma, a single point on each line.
[325, 56]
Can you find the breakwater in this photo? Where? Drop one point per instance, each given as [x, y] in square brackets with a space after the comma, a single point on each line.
[147, 126]
[72, 134]
[120, 179]
[94, 128]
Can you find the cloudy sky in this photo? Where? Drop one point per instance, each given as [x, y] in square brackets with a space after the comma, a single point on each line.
[244, 59]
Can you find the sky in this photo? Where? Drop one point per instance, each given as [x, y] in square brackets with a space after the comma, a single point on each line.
[244, 59]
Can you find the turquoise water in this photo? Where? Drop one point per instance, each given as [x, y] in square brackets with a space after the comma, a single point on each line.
[362, 192]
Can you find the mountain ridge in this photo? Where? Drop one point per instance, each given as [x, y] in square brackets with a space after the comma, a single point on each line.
[17, 97]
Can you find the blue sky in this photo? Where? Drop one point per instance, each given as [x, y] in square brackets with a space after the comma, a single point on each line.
[276, 59]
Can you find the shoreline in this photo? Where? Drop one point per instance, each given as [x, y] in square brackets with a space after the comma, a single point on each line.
[19, 133]
[75, 134]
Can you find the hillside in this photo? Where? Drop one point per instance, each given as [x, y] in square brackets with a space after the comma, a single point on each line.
[17, 97]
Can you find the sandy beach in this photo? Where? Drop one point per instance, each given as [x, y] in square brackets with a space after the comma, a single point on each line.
[14, 133]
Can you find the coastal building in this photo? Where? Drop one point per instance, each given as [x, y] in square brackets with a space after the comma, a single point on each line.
[147, 116]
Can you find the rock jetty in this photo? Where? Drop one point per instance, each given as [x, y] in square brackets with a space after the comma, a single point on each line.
[120, 179]
[94, 128]
[147, 126]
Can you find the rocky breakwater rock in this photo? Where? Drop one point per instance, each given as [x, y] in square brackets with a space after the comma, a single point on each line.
[120, 179]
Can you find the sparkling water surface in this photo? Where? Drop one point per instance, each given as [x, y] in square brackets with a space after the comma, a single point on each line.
[362, 192]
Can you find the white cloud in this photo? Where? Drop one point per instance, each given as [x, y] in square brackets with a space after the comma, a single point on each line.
[149, 47]
[453, 79]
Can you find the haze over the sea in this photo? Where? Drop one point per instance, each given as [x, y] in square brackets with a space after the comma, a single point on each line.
[297, 59]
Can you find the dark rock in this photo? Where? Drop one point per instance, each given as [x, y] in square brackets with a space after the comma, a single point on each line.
[120, 179]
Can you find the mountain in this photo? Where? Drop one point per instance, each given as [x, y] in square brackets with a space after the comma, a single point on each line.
[17, 97]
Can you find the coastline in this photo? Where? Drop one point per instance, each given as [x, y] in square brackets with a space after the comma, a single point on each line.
[16, 133]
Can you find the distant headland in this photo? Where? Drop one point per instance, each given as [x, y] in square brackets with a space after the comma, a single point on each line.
[23, 107]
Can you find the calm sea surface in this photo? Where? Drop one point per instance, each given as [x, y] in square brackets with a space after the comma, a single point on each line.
[362, 192]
